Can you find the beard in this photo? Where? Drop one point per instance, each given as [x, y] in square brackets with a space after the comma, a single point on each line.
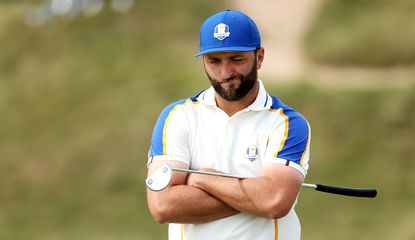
[235, 92]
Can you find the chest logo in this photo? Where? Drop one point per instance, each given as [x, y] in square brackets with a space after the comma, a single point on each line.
[252, 153]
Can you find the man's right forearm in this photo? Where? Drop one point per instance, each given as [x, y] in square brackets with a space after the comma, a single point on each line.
[186, 204]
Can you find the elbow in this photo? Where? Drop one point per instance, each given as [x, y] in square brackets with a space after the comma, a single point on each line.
[162, 213]
[159, 216]
[277, 213]
[278, 209]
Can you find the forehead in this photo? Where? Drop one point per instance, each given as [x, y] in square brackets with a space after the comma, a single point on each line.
[224, 55]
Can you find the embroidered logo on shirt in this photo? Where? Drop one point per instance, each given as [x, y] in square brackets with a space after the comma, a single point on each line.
[252, 153]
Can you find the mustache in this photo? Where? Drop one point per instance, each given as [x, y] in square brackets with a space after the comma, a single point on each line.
[236, 76]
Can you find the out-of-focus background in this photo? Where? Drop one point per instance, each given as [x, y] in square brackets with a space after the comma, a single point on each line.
[83, 81]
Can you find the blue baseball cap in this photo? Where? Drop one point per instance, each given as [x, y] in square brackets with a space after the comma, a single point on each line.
[229, 31]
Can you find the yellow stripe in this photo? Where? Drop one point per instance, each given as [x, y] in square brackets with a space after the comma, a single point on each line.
[182, 232]
[167, 121]
[165, 128]
[306, 147]
[285, 133]
[276, 229]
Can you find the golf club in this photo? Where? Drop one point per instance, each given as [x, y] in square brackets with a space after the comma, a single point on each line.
[161, 178]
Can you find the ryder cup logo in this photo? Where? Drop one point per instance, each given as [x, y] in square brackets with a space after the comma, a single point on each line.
[221, 31]
[252, 153]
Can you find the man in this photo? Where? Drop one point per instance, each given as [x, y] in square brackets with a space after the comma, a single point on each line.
[236, 127]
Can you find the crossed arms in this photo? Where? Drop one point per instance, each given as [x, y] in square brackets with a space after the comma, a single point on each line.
[195, 198]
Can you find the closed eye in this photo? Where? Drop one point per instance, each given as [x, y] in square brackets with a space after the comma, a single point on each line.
[237, 59]
[213, 61]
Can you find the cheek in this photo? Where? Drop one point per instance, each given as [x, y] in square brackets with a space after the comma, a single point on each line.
[212, 71]
[244, 70]
[210, 74]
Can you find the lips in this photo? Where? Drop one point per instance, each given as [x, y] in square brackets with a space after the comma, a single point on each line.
[234, 83]
[231, 80]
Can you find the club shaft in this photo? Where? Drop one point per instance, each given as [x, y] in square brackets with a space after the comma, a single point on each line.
[345, 191]
[309, 185]
[206, 173]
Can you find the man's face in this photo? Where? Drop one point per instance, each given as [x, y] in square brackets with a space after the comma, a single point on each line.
[232, 74]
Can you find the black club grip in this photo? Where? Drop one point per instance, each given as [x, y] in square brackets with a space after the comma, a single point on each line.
[353, 192]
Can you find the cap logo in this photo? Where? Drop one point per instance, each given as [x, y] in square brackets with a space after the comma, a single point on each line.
[221, 31]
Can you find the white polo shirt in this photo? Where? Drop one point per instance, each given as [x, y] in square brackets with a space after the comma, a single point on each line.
[195, 131]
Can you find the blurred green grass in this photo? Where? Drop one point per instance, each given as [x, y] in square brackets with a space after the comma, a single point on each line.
[78, 101]
[361, 138]
[364, 33]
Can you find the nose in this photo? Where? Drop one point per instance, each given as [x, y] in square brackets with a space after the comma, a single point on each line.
[227, 71]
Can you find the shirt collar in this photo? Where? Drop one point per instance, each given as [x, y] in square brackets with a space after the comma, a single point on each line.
[262, 102]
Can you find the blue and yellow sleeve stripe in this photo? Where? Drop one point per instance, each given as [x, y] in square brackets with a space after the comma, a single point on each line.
[296, 139]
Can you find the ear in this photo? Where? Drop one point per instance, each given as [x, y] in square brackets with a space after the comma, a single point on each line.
[260, 57]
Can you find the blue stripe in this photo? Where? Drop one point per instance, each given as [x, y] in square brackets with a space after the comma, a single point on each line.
[297, 138]
[194, 98]
[157, 139]
[276, 103]
[266, 101]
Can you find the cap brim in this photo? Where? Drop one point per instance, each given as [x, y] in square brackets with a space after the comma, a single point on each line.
[226, 49]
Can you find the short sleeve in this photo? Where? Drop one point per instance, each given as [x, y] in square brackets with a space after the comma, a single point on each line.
[170, 135]
[289, 141]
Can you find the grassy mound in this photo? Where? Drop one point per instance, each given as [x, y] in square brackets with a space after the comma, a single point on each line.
[78, 101]
[364, 32]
